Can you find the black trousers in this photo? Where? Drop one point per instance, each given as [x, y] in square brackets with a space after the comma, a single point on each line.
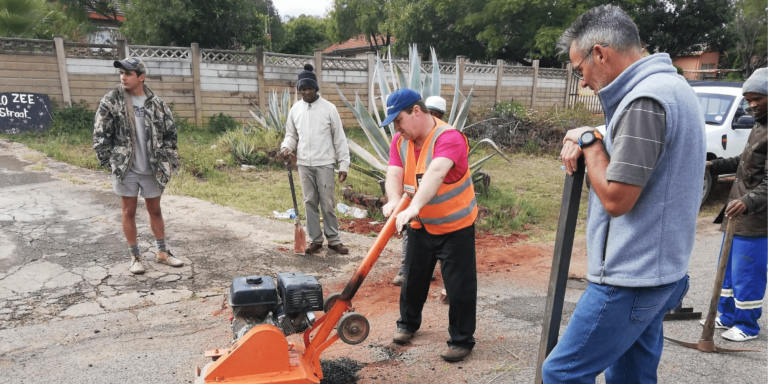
[456, 251]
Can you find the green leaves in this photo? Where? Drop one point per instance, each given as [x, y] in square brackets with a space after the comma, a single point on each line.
[376, 165]
[277, 112]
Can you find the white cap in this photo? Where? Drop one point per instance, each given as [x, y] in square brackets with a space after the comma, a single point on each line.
[436, 102]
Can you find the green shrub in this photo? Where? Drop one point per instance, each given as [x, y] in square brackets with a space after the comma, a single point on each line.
[679, 69]
[250, 146]
[506, 108]
[73, 120]
[221, 123]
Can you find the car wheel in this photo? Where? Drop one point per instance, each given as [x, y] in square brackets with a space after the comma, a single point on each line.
[710, 180]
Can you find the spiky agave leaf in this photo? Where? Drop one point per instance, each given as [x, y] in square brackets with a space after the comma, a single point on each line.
[456, 93]
[436, 80]
[374, 173]
[426, 91]
[366, 157]
[375, 135]
[492, 144]
[400, 75]
[373, 131]
[415, 69]
[461, 118]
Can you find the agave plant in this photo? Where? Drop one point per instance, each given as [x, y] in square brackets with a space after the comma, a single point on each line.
[277, 112]
[376, 165]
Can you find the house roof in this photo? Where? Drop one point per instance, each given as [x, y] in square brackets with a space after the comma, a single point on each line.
[354, 44]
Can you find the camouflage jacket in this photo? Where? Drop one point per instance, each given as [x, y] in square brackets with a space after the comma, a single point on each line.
[114, 138]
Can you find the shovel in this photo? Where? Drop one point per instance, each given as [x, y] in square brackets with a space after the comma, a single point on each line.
[299, 236]
[706, 342]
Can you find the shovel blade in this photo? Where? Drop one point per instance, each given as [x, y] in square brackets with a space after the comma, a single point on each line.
[299, 239]
[709, 346]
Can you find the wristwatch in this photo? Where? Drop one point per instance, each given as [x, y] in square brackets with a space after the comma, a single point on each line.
[588, 138]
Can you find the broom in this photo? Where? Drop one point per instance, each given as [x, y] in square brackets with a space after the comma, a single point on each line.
[299, 236]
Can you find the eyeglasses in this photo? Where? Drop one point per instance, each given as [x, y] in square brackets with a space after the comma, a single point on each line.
[576, 72]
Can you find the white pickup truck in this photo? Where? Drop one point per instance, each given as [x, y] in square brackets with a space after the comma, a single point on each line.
[727, 123]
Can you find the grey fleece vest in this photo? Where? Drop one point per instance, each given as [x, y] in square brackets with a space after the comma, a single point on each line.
[651, 244]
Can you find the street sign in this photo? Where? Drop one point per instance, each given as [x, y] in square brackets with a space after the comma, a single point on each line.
[24, 112]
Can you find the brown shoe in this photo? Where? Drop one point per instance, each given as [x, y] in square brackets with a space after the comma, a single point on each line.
[402, 336]
[339, 248]
[454, 353]
[313, 248]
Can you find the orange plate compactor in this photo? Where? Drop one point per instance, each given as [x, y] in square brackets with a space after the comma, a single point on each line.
[264, 355]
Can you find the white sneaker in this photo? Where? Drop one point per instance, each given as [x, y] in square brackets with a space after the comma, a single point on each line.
[736, 334]
[167, 258]
[718, 323]
[137, 268]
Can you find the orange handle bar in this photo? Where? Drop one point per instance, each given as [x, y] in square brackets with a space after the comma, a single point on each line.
[375, 251]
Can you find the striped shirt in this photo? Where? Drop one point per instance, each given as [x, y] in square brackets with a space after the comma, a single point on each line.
[638, 138]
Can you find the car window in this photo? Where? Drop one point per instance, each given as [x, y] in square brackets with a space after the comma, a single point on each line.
[715, 107]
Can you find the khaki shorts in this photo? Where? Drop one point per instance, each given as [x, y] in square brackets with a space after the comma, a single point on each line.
[134, 182]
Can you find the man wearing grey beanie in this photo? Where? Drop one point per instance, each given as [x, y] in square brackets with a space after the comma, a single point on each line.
[314, 133]
[745, 279]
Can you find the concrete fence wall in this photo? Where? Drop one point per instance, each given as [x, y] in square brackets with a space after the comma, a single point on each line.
[200, 83]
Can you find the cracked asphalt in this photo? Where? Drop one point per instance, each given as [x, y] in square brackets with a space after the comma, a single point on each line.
[70, 312]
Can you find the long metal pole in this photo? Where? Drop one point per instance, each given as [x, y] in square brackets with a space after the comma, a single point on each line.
[566, 227]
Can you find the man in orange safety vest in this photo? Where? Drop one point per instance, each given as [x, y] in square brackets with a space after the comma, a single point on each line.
[428, 161]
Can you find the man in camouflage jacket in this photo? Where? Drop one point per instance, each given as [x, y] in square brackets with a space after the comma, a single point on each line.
[139, 148]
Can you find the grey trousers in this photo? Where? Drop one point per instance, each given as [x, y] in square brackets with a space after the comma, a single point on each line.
[318, 185]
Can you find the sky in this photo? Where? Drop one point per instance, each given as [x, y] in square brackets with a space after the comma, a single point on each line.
[297, 7]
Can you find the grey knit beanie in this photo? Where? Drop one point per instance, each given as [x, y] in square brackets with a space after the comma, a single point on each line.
[307, 77]
[757, 83]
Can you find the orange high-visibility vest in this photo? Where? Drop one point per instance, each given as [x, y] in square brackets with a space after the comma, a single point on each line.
[454, 206]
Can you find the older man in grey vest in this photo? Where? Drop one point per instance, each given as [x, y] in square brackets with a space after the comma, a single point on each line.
[646, 189]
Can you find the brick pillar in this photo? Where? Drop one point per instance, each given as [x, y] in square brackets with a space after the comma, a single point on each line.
[260, 76]
[460, 71]
[535, 83]
[499, 75]
[122, 49]
[61, 57]
[197, 57]
[568, 83]
[371, 56]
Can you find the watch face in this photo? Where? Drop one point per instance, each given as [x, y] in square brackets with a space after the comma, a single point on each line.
[587, 137]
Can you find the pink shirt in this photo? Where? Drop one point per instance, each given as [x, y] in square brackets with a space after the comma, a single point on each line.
[450, 145]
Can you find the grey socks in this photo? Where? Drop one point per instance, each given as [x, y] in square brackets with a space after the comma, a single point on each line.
[161, 245]
[134, 249]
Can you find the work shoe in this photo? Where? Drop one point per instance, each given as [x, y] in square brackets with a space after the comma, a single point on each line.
[736, 334]
[339, 248]
[718, 324]
[137, 268]
[399, 278]
[402, 336]
[312, 248]
[454, 353]
[167, 258]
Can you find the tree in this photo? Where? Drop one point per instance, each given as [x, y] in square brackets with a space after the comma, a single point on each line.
[419, 22]
[222, 24]
[19, 17]
[303, 35]
[515, 30]
[749, 26]
[39, 19]
[683, 26]
[350, 18]
[106, 8]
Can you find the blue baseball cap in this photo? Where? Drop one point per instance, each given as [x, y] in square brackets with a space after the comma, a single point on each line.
[397, 101]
